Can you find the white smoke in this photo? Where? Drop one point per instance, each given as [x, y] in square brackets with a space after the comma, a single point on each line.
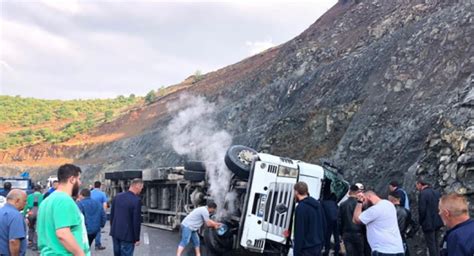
[194, 132]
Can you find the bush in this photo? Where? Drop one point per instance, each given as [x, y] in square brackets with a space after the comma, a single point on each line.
[150, 97]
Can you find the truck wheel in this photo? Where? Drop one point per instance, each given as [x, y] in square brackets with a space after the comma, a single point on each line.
[239, 160]
[216, 244]
[194, 176]
[197, 166]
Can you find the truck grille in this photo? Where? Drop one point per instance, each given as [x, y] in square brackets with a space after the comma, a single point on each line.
[278, 208]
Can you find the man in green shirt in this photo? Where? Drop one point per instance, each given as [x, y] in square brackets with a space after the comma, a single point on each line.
[60, 222]
[31, 212]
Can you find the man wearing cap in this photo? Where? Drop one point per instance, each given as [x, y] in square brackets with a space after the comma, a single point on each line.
[352, 234]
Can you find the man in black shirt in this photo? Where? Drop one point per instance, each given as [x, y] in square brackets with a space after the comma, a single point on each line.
[309, 223]
[403, 217]
[352, 234]
[429, 218]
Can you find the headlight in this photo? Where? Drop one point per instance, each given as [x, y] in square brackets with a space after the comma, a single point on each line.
[284, 171]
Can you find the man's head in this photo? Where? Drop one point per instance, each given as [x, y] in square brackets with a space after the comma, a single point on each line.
[69, 177]
[17, 198]
[84, 193]
[369, 197]
[453, 209]
[421, 184]
[394, 197]
[301, 190]
[211, 207]
[393, 185]
[136, 186]
[97, 184]
[7, 186]
[353, 190]
[37, 188]
[55, 184]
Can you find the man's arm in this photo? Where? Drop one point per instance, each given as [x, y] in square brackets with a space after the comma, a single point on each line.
[137, 219]
[357, 213]
[14, 247]
[299, 230]
[422, 207]
[66, 238]
[112, 210]
[212, 224]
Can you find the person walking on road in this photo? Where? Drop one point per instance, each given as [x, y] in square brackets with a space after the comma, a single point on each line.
[429, 218]
[125, 219]
[352, 234]
[93, 213]
[459, 239]
[309, 227]
[380, 219]
[12, 224]
[192, 223]
[60, 223]
[98, 195]
[33, 202]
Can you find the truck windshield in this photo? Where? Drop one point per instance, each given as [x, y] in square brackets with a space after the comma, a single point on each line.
[19, 184]
[338, 185]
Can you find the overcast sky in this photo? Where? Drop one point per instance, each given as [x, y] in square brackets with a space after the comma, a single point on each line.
[65, 49]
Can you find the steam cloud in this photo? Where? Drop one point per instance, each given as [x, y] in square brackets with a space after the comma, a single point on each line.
[194, 132]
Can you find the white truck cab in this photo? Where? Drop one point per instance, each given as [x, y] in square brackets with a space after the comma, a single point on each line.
[268, 209]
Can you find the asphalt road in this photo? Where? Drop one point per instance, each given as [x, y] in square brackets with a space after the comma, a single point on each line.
[153, 242]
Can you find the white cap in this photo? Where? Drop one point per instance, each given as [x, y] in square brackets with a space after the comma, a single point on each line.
[360, 186]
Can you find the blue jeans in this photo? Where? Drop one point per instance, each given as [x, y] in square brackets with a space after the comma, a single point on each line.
[123, 248]
[188, 234]
[97, 240]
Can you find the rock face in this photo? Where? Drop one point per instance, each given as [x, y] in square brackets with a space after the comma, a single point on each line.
[384, 89]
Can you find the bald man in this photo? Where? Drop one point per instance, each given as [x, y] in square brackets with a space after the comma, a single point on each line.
[459, 238]
[12, 224]
[380, 219]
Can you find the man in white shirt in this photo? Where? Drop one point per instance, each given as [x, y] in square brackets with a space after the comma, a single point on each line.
[380, 219]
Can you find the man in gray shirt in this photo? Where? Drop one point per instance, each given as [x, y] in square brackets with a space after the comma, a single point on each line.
[192, 223]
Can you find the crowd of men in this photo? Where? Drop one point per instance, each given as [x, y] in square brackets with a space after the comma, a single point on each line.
[69, 219]
[370, 225]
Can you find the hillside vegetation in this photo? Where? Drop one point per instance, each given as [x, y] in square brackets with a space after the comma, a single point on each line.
[25, 121]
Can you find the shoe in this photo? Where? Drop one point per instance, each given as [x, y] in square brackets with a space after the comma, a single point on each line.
[99, 248]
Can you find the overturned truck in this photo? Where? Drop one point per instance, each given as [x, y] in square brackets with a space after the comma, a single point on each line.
[263, 208]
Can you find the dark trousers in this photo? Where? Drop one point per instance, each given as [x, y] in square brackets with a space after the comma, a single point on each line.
[354, 243]
[123, 248]
[331, 230]
[91, 238]
[32, 236]
[376, 253]
[432, 242]
[313, 251]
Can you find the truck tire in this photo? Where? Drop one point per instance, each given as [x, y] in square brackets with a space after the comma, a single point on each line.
[132, 175]
[194, 176]
[197, 166]
[217, 245]
[239, 160]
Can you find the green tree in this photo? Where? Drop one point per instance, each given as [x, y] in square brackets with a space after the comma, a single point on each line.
[108, 115]
[198, 76]
[150, 97]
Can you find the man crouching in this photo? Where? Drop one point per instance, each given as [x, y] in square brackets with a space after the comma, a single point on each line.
[192, 223]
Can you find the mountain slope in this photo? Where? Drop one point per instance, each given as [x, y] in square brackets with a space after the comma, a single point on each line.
[382, 88]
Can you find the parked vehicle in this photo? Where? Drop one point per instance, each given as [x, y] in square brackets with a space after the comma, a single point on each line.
[263, 201]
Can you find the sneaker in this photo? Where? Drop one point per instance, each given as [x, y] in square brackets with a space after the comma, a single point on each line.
[99, 248]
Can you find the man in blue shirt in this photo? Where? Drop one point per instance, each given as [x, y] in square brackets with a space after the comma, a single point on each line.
[459, 238]
[99, 196]
[93, 213]
[12, 224]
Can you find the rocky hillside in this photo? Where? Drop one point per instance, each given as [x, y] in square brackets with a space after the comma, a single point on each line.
[384, 89]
